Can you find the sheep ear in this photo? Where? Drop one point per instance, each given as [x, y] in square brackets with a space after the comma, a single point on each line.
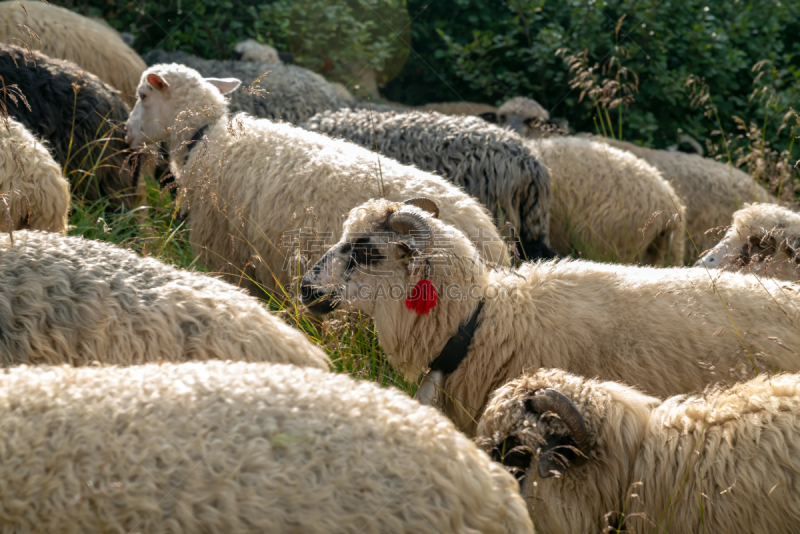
[157, 82]
[225, 85]
[489, 116]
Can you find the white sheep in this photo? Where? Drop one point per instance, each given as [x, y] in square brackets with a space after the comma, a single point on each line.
[610, 202]
[252, 50]
[232, 447]
[711, 191]
[64, 34]
[73, 300]
[763, 239]
[668, 331]
[250, 183]
[33, 192]
[598, 456]
[491, 164]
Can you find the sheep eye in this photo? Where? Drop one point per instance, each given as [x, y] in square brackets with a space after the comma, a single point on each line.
[142, 96]
[365, 252]
[502, 118]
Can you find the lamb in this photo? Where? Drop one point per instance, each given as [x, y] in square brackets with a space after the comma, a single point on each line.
[81, 129]
[711, 190]
[249, 187]
[763, 239]
[491, 164]
[610, 202]
[237, 447]
[72, 300]
[288, 93]
[598, 456]
[63, 34]
[33, 194]
[667, 331]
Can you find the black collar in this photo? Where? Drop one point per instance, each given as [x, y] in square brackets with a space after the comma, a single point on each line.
[456, 349]
[193, 141]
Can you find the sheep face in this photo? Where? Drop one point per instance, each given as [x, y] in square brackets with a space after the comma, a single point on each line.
[172, 98]
[569, 442]
[714, 257]
[522, 115]
[385, 249]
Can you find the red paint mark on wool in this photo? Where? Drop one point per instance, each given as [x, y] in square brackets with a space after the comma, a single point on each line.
[423, 298]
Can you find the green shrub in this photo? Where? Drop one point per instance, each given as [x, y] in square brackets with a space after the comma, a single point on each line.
[489, 51]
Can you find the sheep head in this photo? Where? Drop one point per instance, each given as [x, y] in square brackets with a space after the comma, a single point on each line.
[174, 98]
[575, 437]
[522, 115]
[385, 249]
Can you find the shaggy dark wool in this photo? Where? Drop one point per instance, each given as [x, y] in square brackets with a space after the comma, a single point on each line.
[491, 164]
[58, 114]
[292, 94]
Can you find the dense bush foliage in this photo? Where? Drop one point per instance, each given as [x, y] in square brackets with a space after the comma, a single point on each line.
[489, 50]
[334, 37]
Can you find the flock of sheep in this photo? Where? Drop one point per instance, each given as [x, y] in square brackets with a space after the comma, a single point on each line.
[563, 395]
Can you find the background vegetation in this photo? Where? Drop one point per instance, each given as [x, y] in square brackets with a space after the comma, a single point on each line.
[489, 50]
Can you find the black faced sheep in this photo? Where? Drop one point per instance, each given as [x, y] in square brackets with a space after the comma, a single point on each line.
[666, 330]
[598, 456]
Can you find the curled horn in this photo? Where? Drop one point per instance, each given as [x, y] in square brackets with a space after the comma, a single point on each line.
[425, 204]
[550, 400]
[406, 222]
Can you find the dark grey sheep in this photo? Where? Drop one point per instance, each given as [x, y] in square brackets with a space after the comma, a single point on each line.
[77, 114]
[490, 163]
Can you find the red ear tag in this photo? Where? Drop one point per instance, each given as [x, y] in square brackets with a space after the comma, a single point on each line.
[423, 298]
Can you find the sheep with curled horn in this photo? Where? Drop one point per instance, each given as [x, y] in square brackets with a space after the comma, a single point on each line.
[486, 325]
[763, 239]
[597, 456]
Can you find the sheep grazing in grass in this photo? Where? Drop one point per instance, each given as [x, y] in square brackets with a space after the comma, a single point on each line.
[667, 331]
[598, 456]
[238, 447]
[288, 93]
[72, 300]
[33, 194]
[63, 34]
[250, 186]
[491, 164]
[82, 128]
[712, 191]
[763, 239]
[611, 203]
